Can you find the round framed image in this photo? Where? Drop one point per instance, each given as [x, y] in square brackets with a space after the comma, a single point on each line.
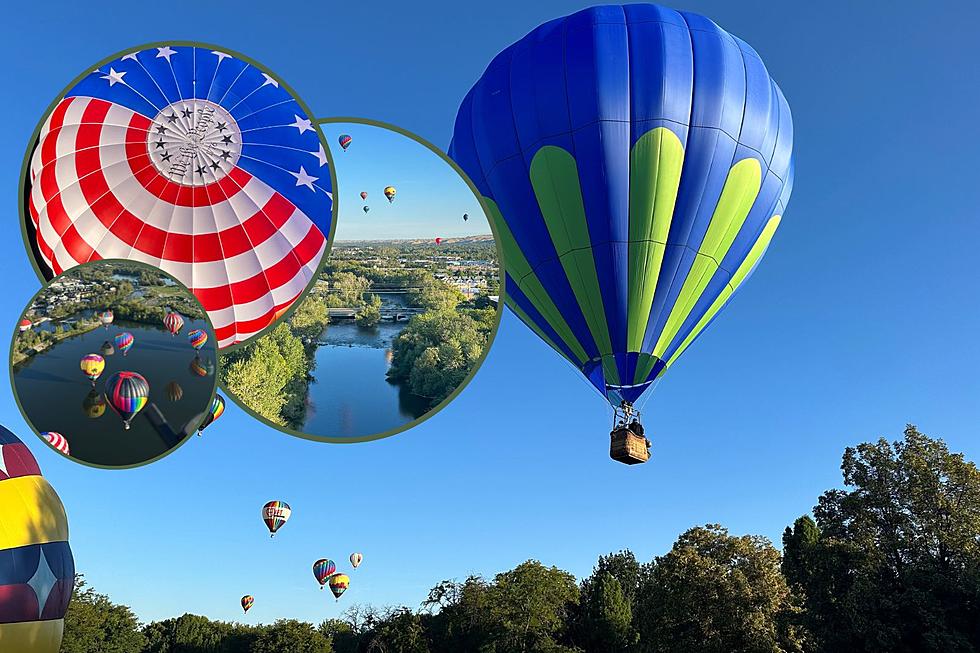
[405, 309]
[191, 158]
[114, 364]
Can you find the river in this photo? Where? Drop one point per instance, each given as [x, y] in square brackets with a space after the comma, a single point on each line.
[57, 397]
[350, 396]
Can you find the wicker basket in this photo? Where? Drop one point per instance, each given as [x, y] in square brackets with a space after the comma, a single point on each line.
[628, 447]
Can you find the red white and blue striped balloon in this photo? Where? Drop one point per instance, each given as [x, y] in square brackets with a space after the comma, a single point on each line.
[58, 441]
[174, 323]
[192, 160]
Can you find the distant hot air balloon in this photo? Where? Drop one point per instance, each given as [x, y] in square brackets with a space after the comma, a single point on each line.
[57, 440]
[363, 195]
[247, 602]
[345, 140]
[323, 569]
[106, 318]
[106, 349]
[174, 391]
[183, 195]
[367, 208]
[275, 514]
[339, 584]
[197, 367]
[36, 565]
[438, 241]
[127, 394]
[197, 338]
[92, 366]
[466, 216]
[24, 325]
[124, 342]
[636, 162]
[93, 405]
[214, 412]
[174, 322]
[355, 560]
[390, 193]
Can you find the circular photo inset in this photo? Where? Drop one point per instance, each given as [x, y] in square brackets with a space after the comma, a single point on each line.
[190, 158]
[114, 364]
[404, 311]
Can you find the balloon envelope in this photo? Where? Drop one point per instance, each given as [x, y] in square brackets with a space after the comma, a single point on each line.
[92, 366]
[390, 193]
[636, 162]
[197, 338]
[127, 394]
[323, 569]
[106, 317]
[24, 325]
[36, 564]
[344, 141]
[339, 584]
[355, 560]
[58, 441]
[247, 602]
[275, 514]
[192, 160]
[174, 322]
[216, 410]
[363, 195]
[124, 341]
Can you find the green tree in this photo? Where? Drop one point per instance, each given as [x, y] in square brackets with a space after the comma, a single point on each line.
[269, 374]
[94, 624]
[310, 317]
[370, 314]
[350, 288]
[606, 617]
[715, 593]
[289, 635]
[892, 563]
[435, 295]
[529, 607]
[341, 634]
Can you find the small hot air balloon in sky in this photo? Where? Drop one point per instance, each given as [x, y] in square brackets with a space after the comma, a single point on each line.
[174, 391]
[127, 394]
[124, 342]
[367, 208]
[106, 318]
[466, 216]
[106, 349]
[197, 367]
[58, 441]
[636, 162]
[24, 325]
[174, 322]
[339, 584]
[345, 140]
[363, 195]
[93, 405]
[355, 560]
[247, 602]
[323, 569]
[92, 366]
[275, 514]
[438, 241]
[214, 412]
[390, 193]
[197, 338]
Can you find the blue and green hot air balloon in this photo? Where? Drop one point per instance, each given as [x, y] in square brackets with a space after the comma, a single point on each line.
[636, 162]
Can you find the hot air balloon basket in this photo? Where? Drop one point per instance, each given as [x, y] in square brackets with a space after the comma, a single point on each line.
[628, 447]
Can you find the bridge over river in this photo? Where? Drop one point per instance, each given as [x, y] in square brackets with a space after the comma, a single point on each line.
[387, 314]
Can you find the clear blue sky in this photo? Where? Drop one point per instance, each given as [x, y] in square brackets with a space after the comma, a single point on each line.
[862, 317]
[431, 197]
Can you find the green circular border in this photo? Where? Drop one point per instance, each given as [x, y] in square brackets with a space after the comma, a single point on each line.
[22, 185]
[30, 423]
[496, 326]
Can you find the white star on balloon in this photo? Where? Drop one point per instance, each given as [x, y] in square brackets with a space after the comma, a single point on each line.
[221, 55]
[321, 156]
[304, 179]
[114, 77]
[131, 56]
[302, 124]
[43, 582]
[269, 80]
[166, 52]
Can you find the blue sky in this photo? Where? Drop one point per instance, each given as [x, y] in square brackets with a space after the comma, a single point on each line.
[431, 197]
[862, 317]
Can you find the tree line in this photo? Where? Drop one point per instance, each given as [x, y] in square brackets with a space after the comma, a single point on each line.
[888, 564]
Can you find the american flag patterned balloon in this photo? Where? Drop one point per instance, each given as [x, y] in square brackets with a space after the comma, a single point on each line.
[58, 441]
[195, 161]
